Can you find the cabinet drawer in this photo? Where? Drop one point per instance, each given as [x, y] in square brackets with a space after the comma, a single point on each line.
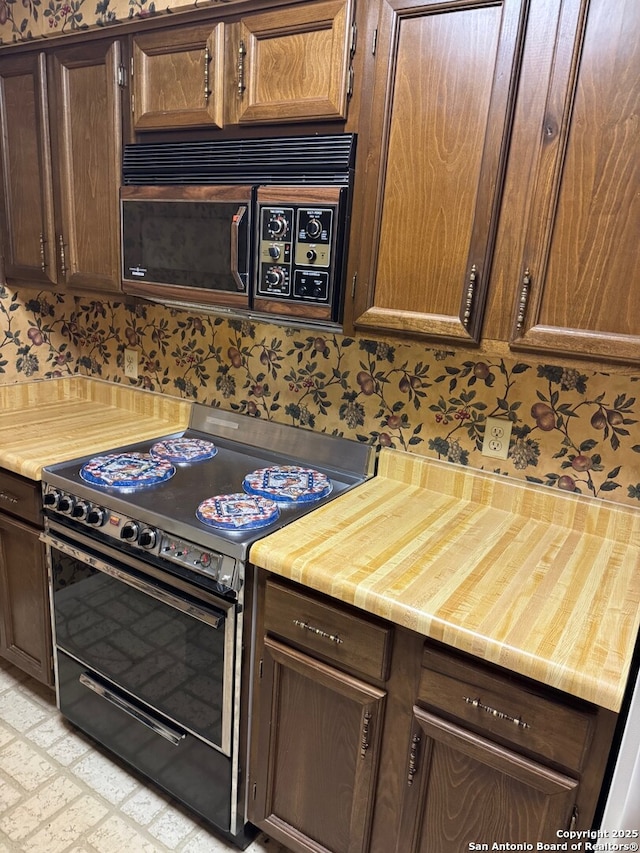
[333, 633]
[507, 708]
[20, 497]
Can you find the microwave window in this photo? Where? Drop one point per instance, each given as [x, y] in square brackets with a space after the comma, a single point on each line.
[191, 244]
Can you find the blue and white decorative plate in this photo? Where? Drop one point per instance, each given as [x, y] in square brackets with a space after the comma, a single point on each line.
[288, 484]
[184, 450]
[237, 511]
[126, 470]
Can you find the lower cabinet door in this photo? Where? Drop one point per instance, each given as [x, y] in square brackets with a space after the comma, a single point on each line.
[462, 790]
[316, 761]
[25, 623]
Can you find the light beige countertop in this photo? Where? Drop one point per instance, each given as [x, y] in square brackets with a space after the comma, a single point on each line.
[541, 582]
[52, 420]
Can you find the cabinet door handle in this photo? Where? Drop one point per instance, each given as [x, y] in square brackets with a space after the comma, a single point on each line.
[317, 631]
[524, 299]
[413, 759]
[43, 260]
[364, 740]
[63, 260]
[495, 713]
[241, 55]
[469, 297]
[207, 62]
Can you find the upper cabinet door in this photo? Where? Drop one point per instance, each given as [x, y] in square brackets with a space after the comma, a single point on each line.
[87, 131]
[579, 292]
[28, 230]
[444, 89]
[177, 78]
[293, 64]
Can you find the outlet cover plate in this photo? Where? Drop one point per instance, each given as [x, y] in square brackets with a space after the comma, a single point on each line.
[131, 363]
[497, 435]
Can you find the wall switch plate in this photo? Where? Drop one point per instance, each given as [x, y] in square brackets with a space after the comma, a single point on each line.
[497, 434]
[131, 363]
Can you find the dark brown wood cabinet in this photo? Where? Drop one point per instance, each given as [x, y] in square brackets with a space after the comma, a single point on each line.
[178, 77]
[577, 292]
[61, 165]
[25, 622]
[442, 100]
[282, 65]
[369, 738]
[86, 110]
[27, 227]
[506, 799]
[293, 65]
[317, 725]
[525, 758]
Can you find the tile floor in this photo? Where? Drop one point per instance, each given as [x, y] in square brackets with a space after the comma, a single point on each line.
[59, 794]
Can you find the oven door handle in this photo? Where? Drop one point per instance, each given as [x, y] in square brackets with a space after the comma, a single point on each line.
[215, 620]
[172, 735]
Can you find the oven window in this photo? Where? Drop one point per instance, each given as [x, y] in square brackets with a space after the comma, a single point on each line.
[166, 658]
[184, 243]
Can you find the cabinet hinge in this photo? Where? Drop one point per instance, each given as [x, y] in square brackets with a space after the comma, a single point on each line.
[122, 76]
[354, 38]
[374, 42]
[255, 790]
[353, 285]
[350, 82]
[260, 669]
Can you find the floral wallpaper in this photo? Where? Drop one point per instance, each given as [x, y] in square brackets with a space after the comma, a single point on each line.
[22, 20]
[573, 429]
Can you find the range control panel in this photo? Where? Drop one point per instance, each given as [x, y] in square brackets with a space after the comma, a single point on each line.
[299, 250]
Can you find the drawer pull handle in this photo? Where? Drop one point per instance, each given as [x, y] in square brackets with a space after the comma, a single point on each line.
[8, 498]
[317, 631]
[495, 713]
[413, 759]
[364, 742]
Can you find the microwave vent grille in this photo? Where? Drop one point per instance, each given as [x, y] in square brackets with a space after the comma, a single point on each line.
[328, 159]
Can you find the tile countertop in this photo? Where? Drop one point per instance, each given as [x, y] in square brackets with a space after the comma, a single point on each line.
[53, 420]
[541, 582]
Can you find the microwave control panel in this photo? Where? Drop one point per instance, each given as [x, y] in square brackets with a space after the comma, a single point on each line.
[298, 255]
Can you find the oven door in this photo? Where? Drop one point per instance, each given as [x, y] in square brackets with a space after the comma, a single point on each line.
[147, 643]
[187, 244]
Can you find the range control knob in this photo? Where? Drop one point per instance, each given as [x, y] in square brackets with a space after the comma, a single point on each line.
[96, 516]
[80, 510]
[147, 538]
[51, 498]
[66, 504]
[130, 531]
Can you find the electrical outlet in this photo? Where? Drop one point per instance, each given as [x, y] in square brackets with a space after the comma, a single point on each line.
[131, 363]
[497, 434]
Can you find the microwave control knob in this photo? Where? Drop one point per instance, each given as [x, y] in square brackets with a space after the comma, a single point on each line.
[147, 538]
[275, 277]
[66, 504]
[277, 226]
[80, 510]
[314, 227]
[130, 531]
[312, 255]
[274, 252]
[96, 516]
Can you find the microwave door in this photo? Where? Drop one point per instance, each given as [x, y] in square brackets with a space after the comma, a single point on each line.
[187, 244]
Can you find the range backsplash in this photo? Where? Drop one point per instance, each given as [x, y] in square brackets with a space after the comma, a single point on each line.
[574, 429]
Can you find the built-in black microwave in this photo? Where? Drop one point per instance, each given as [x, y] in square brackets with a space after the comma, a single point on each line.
[256, 225]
